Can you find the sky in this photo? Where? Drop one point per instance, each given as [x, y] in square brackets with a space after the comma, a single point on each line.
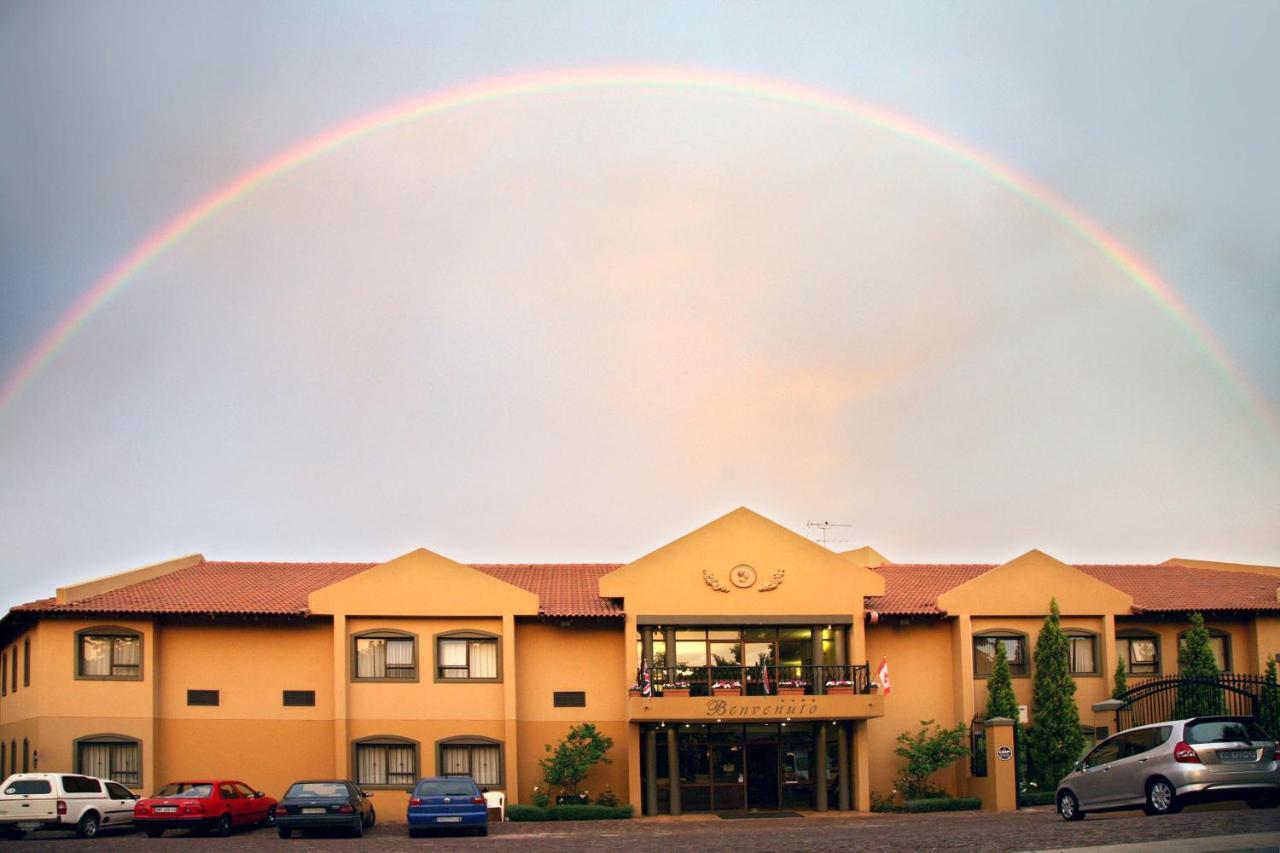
[574, 324]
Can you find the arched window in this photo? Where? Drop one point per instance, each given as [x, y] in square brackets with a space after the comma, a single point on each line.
[108, 653]
[110, 756]
[386, 761]
[13, 756]
[471, 755]
[1219, 643]
[468, 656]
[385, 655]
[26, 661]
[1083, 646]
[1139, 651]
[26, 756]
[1015, 648]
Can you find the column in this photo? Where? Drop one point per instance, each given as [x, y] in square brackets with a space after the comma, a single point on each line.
[1107, 666]
[510, 716]
[341, 745]
[651, 771]
[819, 676]
[962, 673]
[842, 764]
[820, 766]
[842, 648]
[861, 767]
[673, 762]
[646, 645]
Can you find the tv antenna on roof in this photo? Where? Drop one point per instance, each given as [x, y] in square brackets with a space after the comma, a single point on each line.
[824, 528]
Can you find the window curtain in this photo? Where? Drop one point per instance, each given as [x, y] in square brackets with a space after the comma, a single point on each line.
[456, 760]
[127, 655]
[1219, 647]
[485, 767]
[484, 659]
[371, 659]
[95, 655]
[371, 764]
[399, 658]
[1082, 654]
[126, 763]
[453, 653]
[400, 770]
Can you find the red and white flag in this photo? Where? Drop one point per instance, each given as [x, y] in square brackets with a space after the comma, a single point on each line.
[764, 678]
[882, 676]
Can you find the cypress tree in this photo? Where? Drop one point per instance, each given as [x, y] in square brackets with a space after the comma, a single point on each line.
[1055, 741]
[1269, 706]
[1195, 661]
[1000, 699]
[1122, 679]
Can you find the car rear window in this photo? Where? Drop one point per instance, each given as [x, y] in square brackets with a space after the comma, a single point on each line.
[446, 788]
[317, 789]
[81, 785]
[29, 786]
[1214, 731]
[185, 790]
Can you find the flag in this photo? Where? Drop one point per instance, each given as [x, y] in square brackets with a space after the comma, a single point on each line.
[882, 676]
[764, 679]
[645, 679]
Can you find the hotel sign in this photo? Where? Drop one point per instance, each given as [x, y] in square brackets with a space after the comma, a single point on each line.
[765, 706]
[691, 709]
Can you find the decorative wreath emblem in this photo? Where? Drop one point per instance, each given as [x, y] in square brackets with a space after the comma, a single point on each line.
[713, 582]
[774, 582]
[742, 576]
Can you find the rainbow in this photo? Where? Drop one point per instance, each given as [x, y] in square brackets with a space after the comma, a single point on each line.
[586, 79]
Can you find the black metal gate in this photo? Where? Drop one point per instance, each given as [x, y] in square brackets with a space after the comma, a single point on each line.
[1156, 699]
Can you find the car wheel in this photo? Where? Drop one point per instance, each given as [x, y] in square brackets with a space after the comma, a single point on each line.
[224, 825]
[270, 819]
[357, 827]
[88, 825]
[373, 817]
[1263, 801]
[1069, 806]
[284, 831]
[153, 831]
[12, 833]
[482, 830]
[1161, 798]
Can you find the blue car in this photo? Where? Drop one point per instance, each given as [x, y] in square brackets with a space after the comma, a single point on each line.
[447, 802]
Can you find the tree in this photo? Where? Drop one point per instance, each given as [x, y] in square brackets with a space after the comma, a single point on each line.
[926, 753]
[1198, 690]
[1000, 699]
[1269, 705]
[1055, 741]
[572, 759]
[1122, 679]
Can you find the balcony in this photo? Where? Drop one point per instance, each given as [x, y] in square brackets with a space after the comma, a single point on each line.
[716, 693]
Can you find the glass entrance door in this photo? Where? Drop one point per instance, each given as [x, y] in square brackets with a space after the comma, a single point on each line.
[763, 778]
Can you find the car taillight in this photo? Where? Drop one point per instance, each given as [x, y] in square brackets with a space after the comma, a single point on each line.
[62, 806]
[415, 801]
[1184, 754]
[346, 809]
[1275, 753]
[193, 807]
[479, 801]
[139, 808]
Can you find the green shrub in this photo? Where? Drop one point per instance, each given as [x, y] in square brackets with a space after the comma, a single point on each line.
[942, 804]
[1036, 798]
[927, 751]
[519, 812]
[607, 798]
[882, 803]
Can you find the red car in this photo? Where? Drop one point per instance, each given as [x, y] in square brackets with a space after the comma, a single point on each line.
[204, 806]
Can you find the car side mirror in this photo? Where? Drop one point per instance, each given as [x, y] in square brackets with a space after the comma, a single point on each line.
[1080, 766]
[258, 794]
[366, 794]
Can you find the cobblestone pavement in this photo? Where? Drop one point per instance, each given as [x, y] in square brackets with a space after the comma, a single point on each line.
[1026, 830]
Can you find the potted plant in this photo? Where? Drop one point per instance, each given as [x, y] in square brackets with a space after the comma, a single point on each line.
[727, 688]
[675, 688]
[792, 687]
[840, 687]
[634, 691]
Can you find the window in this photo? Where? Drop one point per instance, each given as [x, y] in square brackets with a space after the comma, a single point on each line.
[109, 653]
[1084, 652]
[4, 673]
[118, 792]
[569, 699]
[202, 697]
[110, 757]
[477, 757]
[1219, 644]
[1139, 651]
[244, 790]
[80, 785]
[26, 662]
[14, 688]
[2, 754]
[26, 756]
[13, 757]
[470, 656]
[386, 655]
[299, 698]
[386, 761]
[984, 652]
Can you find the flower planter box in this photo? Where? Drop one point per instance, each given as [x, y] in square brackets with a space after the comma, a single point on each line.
[839, 691]
[676, 692]
[635, 693]
[790, 691]
[727, 691]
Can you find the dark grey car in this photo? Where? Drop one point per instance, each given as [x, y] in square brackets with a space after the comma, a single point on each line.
[324, 804]
[1161, 767]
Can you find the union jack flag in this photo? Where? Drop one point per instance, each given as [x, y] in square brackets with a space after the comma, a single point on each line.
[645, 679]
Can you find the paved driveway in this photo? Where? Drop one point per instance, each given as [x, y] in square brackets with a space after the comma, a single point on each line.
[1033, 829]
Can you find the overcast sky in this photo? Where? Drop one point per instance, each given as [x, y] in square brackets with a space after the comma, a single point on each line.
[572, 326]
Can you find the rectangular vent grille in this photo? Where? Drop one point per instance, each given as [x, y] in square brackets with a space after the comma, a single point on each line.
[570, 699]
[299, 698]
[202, 697]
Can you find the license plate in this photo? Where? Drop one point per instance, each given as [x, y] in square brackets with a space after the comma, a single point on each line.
[448, 820]
[314, 811]
[1237, 754]
[166, 809]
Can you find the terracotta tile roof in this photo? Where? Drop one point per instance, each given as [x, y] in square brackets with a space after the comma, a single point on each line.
[215, 587]
[563, 589]
[1157, 589]
[912, 589]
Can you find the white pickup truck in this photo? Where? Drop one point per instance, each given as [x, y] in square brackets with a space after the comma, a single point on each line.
[66, 801]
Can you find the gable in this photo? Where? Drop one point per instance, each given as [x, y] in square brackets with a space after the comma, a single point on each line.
[1024, 585]
[423, 583]
[788, 574]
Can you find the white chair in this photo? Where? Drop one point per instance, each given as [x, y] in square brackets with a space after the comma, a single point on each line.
[496, 800]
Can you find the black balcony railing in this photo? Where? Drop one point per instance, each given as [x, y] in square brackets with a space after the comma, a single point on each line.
[762, 680]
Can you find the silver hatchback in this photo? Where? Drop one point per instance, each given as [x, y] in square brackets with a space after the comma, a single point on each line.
[1164, 766]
